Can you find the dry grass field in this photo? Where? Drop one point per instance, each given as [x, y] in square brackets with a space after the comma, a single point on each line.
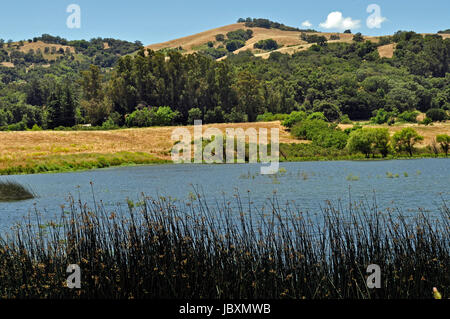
[42, 45]
[27, 148]
[386, 51]
[39, 147]
[192, 41]
[7, 64]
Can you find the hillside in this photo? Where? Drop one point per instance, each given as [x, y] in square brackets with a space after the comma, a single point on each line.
[46, 50]
[290, 42]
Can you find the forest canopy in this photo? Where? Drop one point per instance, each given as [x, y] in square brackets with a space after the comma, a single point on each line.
[339, 80]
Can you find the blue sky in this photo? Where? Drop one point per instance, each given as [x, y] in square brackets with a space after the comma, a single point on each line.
[157, 21]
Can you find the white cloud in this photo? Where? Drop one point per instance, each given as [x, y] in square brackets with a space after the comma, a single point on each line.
[335, 20]
[307, 24]
[375, 19]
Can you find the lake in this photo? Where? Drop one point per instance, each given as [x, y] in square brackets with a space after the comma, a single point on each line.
[407, 184]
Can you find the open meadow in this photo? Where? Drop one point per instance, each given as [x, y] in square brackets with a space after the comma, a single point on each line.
[71, 150]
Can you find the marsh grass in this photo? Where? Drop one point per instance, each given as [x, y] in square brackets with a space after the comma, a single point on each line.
[160, 249]
[77, 162]
[13, 191]
[352, 178]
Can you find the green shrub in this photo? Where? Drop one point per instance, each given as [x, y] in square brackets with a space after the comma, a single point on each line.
[236, 116]
[215, 116]
[116, 118]
[161, 116]
[382, 116]
[330, 110]
[293, 118]
[308, 128]
[5, 117]
[164, 116]
[241, 34]
[405, 140]
[345, 119]
[220, 37]
[36, 128]
[267, 24]
[385, 40]
[62, 128]
[409, 116]
[21, 126]
[215, 53]
[317, 116]
[314, 38]
[266, 117]
[353, 128]
[268, 44]
[437, 115]
[109, 125]
[233, 45]
[194, 114]
[139, 118]
[426, 121]
[444, 141]
[330, 138]
[321, 133]
[369, 141]
[358, 37]
[269, 117]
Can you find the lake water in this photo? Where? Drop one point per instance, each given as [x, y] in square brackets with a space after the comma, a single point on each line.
[420, 184]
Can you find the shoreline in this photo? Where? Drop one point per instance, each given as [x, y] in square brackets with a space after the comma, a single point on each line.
[85, 162]
[35, 152]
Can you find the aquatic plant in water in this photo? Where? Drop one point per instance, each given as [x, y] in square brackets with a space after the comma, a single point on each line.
[13, 191]
[352, 177]
[232, 250]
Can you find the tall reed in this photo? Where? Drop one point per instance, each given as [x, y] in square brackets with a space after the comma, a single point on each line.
[159, 249]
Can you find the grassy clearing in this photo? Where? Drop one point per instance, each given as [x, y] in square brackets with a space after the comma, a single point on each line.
[28, 152]
[235, 251]
[57, 151]
[13, 191]
[76, 162]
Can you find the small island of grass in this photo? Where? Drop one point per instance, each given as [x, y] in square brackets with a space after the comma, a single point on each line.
[13, 191]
